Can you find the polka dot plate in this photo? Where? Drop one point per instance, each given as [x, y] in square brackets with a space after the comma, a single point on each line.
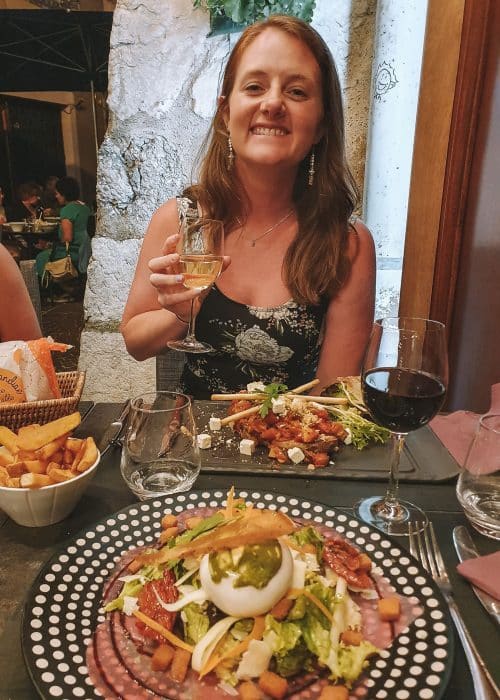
[63, 607]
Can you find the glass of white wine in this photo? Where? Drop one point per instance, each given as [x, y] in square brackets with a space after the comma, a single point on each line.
[201, 250]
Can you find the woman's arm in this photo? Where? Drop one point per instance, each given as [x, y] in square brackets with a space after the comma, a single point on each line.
[147, 324]
[349, 317]
[66, 230]
[18, 320]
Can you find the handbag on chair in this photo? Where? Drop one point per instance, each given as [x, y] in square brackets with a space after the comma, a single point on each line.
[59, 270]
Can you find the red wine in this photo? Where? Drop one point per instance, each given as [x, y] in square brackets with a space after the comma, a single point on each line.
[401, 399]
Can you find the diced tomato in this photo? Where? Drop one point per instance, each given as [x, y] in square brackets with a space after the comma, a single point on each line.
[319, 459]
[148, 604]
[269, 434]
[271, 418]
[321, 412]
[278, 454]
[309, 434]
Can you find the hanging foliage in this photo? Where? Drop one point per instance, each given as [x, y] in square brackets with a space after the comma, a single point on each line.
[233, 15]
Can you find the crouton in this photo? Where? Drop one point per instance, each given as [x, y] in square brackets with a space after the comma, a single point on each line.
[389, 609]
[162, 657]
[273, 685]
[179, 666]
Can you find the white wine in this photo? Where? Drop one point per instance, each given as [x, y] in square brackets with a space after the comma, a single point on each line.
[200, 271]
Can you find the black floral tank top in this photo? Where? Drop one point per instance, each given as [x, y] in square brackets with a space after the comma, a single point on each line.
[251, 343]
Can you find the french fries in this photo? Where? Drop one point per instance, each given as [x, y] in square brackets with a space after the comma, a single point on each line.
[42, 455]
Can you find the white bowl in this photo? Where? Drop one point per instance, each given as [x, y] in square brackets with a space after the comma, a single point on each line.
[16, 226]
[48, 504]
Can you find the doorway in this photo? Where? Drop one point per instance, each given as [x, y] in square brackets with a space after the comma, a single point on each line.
[33, 143]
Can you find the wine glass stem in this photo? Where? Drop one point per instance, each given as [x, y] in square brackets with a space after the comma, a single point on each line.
[192, 322]
[391, 496]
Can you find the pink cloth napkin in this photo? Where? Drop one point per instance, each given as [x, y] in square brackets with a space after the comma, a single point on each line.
[483, 572]
[457, 429]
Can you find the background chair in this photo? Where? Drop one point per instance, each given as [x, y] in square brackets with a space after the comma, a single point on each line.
[169, 366]
[28, 271]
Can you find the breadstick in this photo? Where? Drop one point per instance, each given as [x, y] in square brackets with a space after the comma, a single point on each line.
[241, 414]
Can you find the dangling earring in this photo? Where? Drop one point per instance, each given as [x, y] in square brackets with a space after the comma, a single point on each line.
[230, 153]
[312, 170]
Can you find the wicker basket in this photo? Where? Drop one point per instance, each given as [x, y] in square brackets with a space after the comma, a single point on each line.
[15, 415]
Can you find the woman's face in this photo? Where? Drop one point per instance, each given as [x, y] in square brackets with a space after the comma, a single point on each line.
[275, 110]
[59, 198]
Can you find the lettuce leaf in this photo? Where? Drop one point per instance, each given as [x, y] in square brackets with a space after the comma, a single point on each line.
[196, 622]
[309, 535]
[353, 659]
[134, 586]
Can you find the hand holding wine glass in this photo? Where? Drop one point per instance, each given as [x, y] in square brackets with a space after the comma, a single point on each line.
[201, 249]
[404, 379]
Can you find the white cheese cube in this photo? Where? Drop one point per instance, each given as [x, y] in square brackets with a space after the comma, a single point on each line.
[295, 454]
[214, 423]
[204, 441]
[247, 447]
[255, 387]
[279, 405]
[129, 604]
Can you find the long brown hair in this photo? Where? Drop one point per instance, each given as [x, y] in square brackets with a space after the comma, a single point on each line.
[316, 263]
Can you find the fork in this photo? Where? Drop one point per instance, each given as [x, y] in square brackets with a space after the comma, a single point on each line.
[424, 547]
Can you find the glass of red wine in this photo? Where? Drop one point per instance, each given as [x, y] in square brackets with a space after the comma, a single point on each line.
[404, 379]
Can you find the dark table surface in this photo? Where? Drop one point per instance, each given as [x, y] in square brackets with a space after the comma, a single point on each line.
[25, 550]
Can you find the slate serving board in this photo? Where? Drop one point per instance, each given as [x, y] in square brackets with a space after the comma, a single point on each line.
[424, 459]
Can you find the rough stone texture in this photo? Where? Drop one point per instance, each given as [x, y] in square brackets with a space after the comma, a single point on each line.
[111, 374]
[109, 278]
[163, 82]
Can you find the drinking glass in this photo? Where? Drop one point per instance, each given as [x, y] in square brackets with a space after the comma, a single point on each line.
[404, 379]
[160, 453]
[478, 486]
[200, 247]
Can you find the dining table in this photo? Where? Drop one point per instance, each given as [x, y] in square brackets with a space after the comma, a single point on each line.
[32, 238]
[23, 550]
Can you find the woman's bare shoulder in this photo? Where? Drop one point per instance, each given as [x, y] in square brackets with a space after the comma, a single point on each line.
[360, 239]
[164, 222]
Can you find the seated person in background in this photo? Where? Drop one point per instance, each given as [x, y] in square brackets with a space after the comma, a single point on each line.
[27, 206]
[72, 233]
[296, 297]
[49, 199]
[18, 320]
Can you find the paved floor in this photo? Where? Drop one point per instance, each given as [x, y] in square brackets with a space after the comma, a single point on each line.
[64, 322]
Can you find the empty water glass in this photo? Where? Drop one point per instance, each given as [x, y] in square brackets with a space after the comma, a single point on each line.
[478, 486]
[160, 452]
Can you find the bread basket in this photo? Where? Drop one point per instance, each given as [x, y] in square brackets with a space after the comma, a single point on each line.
[15, 415]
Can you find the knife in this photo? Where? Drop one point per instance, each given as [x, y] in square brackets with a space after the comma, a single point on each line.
[112, 433]
[466, 549]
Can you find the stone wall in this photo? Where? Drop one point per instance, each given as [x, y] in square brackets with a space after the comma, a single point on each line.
[163, 83]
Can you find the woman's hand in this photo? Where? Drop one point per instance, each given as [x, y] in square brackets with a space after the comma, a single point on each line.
[167, 280]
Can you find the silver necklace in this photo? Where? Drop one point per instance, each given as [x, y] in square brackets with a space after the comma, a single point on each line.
[253, 241]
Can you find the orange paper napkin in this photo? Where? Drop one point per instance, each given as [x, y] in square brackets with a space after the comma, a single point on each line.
[457, 429]
[483, 572]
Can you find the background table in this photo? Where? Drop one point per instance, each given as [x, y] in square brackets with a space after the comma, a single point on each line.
[24, 550]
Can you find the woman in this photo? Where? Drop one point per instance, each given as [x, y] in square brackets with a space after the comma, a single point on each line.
[18, 320]
[72, 234]
[296, 297]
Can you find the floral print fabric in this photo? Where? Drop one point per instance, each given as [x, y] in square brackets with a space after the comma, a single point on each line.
[276, 344]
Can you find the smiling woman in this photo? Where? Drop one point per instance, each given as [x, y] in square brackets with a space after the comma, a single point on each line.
[295, 297]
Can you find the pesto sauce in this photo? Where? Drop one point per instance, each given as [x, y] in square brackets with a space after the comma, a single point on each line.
[254, 564]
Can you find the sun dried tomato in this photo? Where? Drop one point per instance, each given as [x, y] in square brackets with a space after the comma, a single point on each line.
[149, 604]
[345, 560]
